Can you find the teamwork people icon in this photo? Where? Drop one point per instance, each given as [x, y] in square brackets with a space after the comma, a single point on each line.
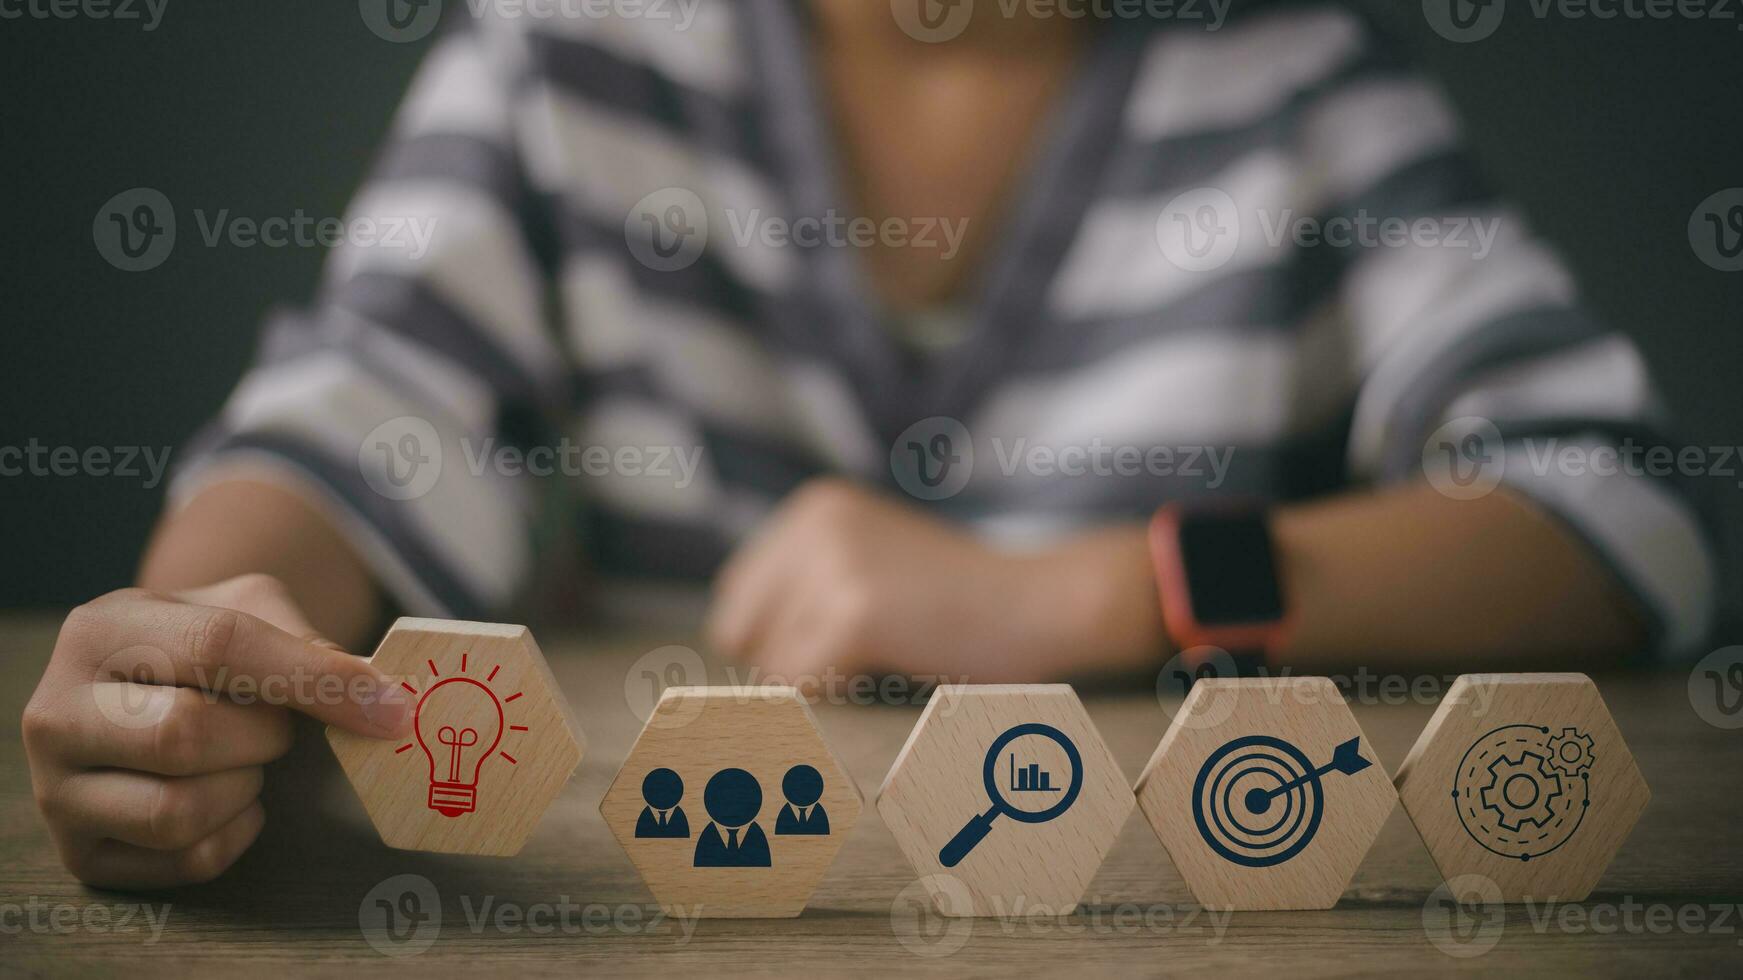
[1024, 792]
[1258, 800]
[732, 799]
[730, 804]
[662, 818]
[1522, 792]
[802, 814]
[456, 752]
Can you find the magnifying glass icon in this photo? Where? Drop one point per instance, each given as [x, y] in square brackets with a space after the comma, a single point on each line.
[1030, 780]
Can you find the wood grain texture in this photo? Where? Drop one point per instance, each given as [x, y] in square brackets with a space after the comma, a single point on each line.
[281, 912]
[1522, 785]
[937, 785]
[1298, 847]
[698, 734]
[494, 745]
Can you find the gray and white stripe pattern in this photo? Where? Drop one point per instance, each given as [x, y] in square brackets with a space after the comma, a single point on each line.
[528, 322]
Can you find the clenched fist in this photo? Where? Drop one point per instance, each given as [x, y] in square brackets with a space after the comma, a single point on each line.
[148, 733]
[842, 578]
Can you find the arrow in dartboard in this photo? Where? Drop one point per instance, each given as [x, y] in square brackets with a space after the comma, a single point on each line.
[1346, 758]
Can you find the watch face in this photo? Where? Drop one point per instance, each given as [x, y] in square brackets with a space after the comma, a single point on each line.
[1231, 571]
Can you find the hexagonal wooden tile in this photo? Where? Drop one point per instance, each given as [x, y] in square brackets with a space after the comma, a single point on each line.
[729, 804]
[494, 741]
[1005, 799]
[1523, 779]
[1265, 793]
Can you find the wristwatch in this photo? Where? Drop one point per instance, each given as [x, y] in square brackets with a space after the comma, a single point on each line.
[1217, 579]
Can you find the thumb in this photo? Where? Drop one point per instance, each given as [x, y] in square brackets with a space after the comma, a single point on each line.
[248, 659]
[325, 681]
[342, 688]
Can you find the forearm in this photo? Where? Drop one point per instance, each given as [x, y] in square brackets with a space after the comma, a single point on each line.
[1400, 577]
[1406, 576]
[237, 525]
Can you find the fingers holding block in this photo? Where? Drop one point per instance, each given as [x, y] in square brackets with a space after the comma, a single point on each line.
[492, 746]
[729, 804]
[1265, 793]
[1521, 785]
[1005, 799]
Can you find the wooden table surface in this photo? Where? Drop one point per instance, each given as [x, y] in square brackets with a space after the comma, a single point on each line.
[292, 904]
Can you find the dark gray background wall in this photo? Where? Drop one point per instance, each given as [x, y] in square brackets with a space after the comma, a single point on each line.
[1609, 132]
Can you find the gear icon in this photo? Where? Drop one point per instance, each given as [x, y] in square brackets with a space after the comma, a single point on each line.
[1521, 792]
[1571, 752]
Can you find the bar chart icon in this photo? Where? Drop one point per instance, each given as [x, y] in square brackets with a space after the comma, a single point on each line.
[1030, 778]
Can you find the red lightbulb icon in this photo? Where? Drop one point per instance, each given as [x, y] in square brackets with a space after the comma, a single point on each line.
[457, 750]
[458, 723]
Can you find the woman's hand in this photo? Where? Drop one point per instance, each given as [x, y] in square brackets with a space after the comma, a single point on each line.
[148, 733]
[842, 578]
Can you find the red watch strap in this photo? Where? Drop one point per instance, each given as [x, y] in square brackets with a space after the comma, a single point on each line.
[1174, 592]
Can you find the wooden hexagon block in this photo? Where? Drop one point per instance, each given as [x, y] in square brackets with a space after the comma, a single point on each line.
[1265, 793]
[1005, 799]
[493, 742]
[1523, 779]
[729, 804]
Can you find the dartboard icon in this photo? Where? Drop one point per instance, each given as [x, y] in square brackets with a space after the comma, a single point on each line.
[1258, 800]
